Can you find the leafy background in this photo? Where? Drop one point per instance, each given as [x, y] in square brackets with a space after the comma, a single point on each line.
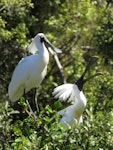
[81, 28]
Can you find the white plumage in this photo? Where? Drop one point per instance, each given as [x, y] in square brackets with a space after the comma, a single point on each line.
[72, 115]
[31, 70]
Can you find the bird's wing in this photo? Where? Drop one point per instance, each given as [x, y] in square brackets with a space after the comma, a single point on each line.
[32, 48]
[65, 92]
[19, 77]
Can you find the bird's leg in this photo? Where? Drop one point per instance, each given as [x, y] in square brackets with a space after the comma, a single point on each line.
[35, 97]
[31, 111]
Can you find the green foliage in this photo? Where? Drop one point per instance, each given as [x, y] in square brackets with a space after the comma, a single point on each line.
[81, 29]
[45, 132]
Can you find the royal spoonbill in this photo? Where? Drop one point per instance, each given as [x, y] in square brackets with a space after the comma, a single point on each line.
[73, 93]
[31, 70]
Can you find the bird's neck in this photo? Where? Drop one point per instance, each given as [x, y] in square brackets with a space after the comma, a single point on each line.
[42, 49]
[43, 52]
[82, 99]
[79, 106]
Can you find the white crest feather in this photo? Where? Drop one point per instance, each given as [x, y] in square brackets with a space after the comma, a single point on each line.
[33, 47]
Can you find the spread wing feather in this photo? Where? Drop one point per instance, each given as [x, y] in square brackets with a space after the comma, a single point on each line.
[66, 92]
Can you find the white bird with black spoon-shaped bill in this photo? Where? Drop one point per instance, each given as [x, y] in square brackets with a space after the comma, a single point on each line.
[73, 93]
[32, 69]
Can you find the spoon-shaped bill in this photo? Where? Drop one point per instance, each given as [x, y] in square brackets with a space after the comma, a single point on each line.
[57, 50]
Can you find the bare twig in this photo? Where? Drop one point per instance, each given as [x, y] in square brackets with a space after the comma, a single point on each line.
[1, 9]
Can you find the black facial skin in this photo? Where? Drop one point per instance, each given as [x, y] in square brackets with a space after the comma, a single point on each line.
[80, 82]
[42, 39]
